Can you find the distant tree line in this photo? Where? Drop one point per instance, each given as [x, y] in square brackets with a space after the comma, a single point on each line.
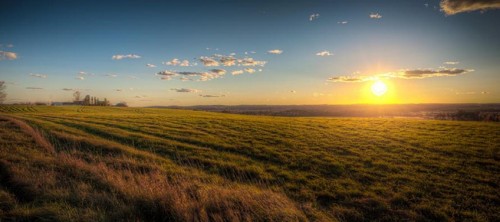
[489, 116]
[89, 100]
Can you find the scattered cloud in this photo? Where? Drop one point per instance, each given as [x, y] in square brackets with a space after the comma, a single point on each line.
[176, 62]
[293, 91]
[4, 55]
[342, 22]
[313, 16]
[207, 61]
[218, 71]
[118, 90]
[34, 88]
[275, 51]
[350, 79]
[9, 45]
[484, 92]
[403, 74]
[251, 62]
[80, 77]
[451, 7]
[36, 75]
[67, 89]
[426, 73]
[249, 70]
[166, 73]
[451, 63]
[228, 61]
[324, 53]
[375, 16]
[237, 72]
[184, 90]
[151, 65]
[129, 56]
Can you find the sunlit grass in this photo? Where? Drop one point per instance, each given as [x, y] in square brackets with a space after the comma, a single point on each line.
[189, 165]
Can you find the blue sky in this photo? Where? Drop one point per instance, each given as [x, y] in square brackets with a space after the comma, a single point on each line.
[325, 52]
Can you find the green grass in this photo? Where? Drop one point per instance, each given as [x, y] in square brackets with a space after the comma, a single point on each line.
[158, 164]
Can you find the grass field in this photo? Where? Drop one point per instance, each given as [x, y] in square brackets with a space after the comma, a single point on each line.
[103, 163]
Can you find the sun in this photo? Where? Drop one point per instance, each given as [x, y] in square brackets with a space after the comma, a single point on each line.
[379, 88]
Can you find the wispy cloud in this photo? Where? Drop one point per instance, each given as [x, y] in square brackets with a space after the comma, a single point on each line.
[237, 72]
[313, 16]
[36, 75]
[324, 53]
[151, 65]
[202, 76]
[403, 74]
[211, 96]
[67, 89]
[185, 90]
[375, 16]
[36, 88]
[218, 71]
[129, 56]
[451, 63]
[4, 55]
[451, 7]
[275, 51]
[251, 62]
[111, 75]
[249, 70]
[80, 78]
[342, 22]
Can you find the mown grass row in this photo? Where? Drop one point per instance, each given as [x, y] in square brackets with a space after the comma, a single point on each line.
[352, 169]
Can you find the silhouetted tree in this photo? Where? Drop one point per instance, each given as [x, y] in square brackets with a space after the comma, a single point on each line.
[2, 92]
[86, 100]
[76, 96]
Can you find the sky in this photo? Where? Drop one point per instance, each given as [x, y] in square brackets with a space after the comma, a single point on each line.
[251, 52]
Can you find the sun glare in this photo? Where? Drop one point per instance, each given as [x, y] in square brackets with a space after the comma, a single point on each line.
[379, 88]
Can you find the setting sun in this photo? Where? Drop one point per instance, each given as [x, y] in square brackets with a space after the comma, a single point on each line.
[379, 88]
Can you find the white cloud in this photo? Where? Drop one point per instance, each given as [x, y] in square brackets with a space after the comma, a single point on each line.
[313, 16]
[38, 75]
[111, 75]
[342, 22]
[184, 79]
[176, 62]
[151, 65]
[80, 77]
[237, 72]
[375, 16]
[167, 73]
[184, 90]
[129, 56]
[324, 53]
[451, 63]
[4, 55]
[275, 51]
